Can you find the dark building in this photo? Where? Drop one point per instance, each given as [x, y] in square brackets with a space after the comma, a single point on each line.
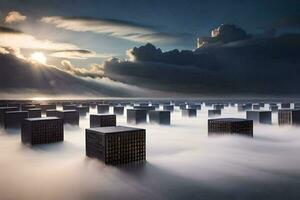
[273, 108]
[182, 106]
[194, 106]
[289, 116]
[82, 110]
[285, 105]
[244, 107]
[214, 112]
[256, 106]
[119, 110]
[42, 130]
[103, 108]
[26, 107]
[45, 107]
[102, 120]
[230, 126]
[68, 116]
[263, 117]
[116, 145]
[34, 113]
[2, 112]
[218, 106]
[189, 112]
[168, 107]
[156, 105]
[160, 117]
[69, 107]
[14, 119]
[136, 116]
[147, 108]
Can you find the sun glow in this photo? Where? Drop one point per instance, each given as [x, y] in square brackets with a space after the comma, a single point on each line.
[38, 57]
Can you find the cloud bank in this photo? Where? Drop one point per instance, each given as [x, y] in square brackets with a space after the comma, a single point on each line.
[78, 54]
[113, 27]
[14, 16]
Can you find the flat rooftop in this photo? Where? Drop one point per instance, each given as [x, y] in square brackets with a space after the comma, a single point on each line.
[41, 119]
[18, 111]
[113, 129]
[229, 120]
[103, 115]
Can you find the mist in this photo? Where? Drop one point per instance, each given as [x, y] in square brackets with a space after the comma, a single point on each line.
[182, 163]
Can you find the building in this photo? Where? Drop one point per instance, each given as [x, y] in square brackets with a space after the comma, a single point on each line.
[69, 106]
[136, 116]
[42, 130]
[2, 112]
[14, 119]
[195, 106]
[214, 112]
[289, 116]
[116, 145]
[34, 112]
[255, 106]
[168, 107]
[230, 126]
[218, 106]
[156, 105]
[244, 107]
[102, 120]
[45, 107]
[147, 108]
[68, 116]
[103, 108]
[182, 106]
[160, 117]
[82, 110]
[26, 107]
[285, 105]
[263, 117]
[189, 112]
[119, 110]
[273, 108]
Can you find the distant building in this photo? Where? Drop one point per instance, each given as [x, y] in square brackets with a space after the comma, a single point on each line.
[147, 108]
[69, 107]
[82, 110]
[102, 120]
[218, 106]
[182, 106]
[136, 116]
[26, 107]
[263, 117]
[194, 106]
[273, 108]
[68, 116]
[160, 117]
[285, 105]
[116, 145]
[2, 112]
[230, 126]
[244, 107]
[42, 130]
[189, 112]
[14, 119]
[119, 110]
[34, 112]
[255, 106]
[214, 112]
[103, 108]
[168, 107]
[45, 107]
[289, 116]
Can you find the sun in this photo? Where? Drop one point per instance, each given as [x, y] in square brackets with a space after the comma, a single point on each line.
[38, 57]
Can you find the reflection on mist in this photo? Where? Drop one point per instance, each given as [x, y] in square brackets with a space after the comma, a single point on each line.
[182, 163]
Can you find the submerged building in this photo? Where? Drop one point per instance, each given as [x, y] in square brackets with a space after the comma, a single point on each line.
[34, 112]
[230, 126]
[168, 107]
[263, 117]
[14, 119]
[116, 145]
[189, 112]
[160, 117]
[102, 120]
[119, 110]
[42, 130]
[136, 116]
[2, 112]
[68, 116]
[214, 112]
[103, 108]
[289, 116]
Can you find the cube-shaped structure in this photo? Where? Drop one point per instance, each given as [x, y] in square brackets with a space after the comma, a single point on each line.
[116, 145]
[195, 106]
[69, 107]
[136, 116]
[273, 108]
[68, 116]
[214, 112]
[230, 126]
[26, 107]
[119, 110]
[168, 107]
[42, 130]
[34, 112]
[263, 117]
[255, 106]
[2, 112]
[218, 106]
[189, 112]
[156, 105]
[45, 107]
[160, 117]
[102, 120]
[289, 116]
[244, 107]
[147, 108]
[82, 110]
[14, 119]
[285, 105]
[103, 108]
[182, 106]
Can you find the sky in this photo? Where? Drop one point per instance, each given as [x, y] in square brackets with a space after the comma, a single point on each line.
[79, 35]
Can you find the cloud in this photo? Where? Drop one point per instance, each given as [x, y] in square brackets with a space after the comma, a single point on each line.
[94, 71]
[254, 66]
[225, 33]
[14, 16]
[78, 54]
[19, 40]
[113, 27]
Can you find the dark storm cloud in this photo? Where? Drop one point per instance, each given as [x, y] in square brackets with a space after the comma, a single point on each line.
[4, 29]
[259, 66]
[114, 27]
[288, 22]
